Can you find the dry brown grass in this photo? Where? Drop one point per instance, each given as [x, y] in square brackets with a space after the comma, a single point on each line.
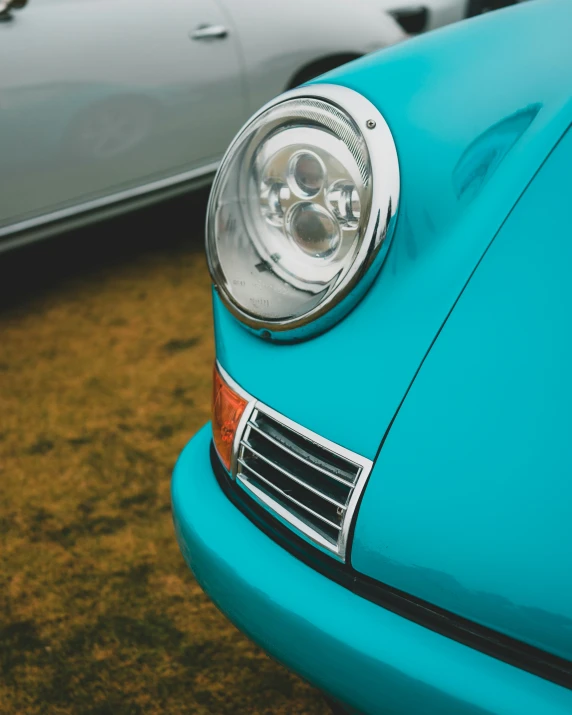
[105, 363]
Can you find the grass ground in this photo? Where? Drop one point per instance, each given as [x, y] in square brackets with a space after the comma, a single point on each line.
[105, 363]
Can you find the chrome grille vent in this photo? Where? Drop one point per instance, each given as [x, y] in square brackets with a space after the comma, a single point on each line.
[307, 482]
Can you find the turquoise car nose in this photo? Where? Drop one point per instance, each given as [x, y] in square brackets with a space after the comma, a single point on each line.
[467, 149]
[364, 655]
[445, 584]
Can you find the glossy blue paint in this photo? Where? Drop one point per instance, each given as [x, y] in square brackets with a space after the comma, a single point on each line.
[362, 654]
[458, 361]
[474, 110]
[469, 503]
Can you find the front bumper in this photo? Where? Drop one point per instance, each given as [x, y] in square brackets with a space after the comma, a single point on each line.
[365, 656]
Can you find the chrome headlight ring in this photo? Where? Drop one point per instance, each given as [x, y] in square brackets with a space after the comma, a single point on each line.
[302, 211]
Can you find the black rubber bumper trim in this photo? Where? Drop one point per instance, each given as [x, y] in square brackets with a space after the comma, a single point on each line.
[512, 651]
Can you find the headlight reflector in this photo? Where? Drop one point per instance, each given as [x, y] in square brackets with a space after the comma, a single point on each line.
[297, 212]
[307, 171]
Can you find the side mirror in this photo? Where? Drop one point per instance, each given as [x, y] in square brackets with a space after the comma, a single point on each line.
[7, 5]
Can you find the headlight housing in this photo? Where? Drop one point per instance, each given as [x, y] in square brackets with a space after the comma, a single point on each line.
[300, 210]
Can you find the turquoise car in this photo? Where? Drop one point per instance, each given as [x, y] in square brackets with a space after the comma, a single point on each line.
[383, 500]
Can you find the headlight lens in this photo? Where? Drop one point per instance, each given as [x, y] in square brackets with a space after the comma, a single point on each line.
[297, 211]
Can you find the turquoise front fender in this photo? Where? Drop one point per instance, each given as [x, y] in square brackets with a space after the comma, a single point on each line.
[474, 111]
[469, 504]
[362, 654]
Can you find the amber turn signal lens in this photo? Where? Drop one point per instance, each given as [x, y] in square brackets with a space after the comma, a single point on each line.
[227, 410]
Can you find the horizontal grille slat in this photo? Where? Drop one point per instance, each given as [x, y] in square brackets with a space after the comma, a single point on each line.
[320, 532]
[299, 477]
[334, 490]
[289, 475]
[297, 455]
[311, 451]
[314, 502]
[304, 510]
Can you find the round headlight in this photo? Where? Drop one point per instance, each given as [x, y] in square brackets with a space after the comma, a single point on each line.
[301, 209]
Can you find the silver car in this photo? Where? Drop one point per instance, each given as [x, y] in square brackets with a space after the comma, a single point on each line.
[105, 104]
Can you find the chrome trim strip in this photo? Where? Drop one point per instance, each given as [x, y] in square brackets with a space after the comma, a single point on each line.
[362, 464]
[232, 384]
[272, 486]
[242, 422]
[102, 202]
[345, 482]
[286, 473]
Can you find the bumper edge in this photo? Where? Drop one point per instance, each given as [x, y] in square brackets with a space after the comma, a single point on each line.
[366, 656]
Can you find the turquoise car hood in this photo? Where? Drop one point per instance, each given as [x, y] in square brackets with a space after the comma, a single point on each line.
[469, 503]
[474, 112]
